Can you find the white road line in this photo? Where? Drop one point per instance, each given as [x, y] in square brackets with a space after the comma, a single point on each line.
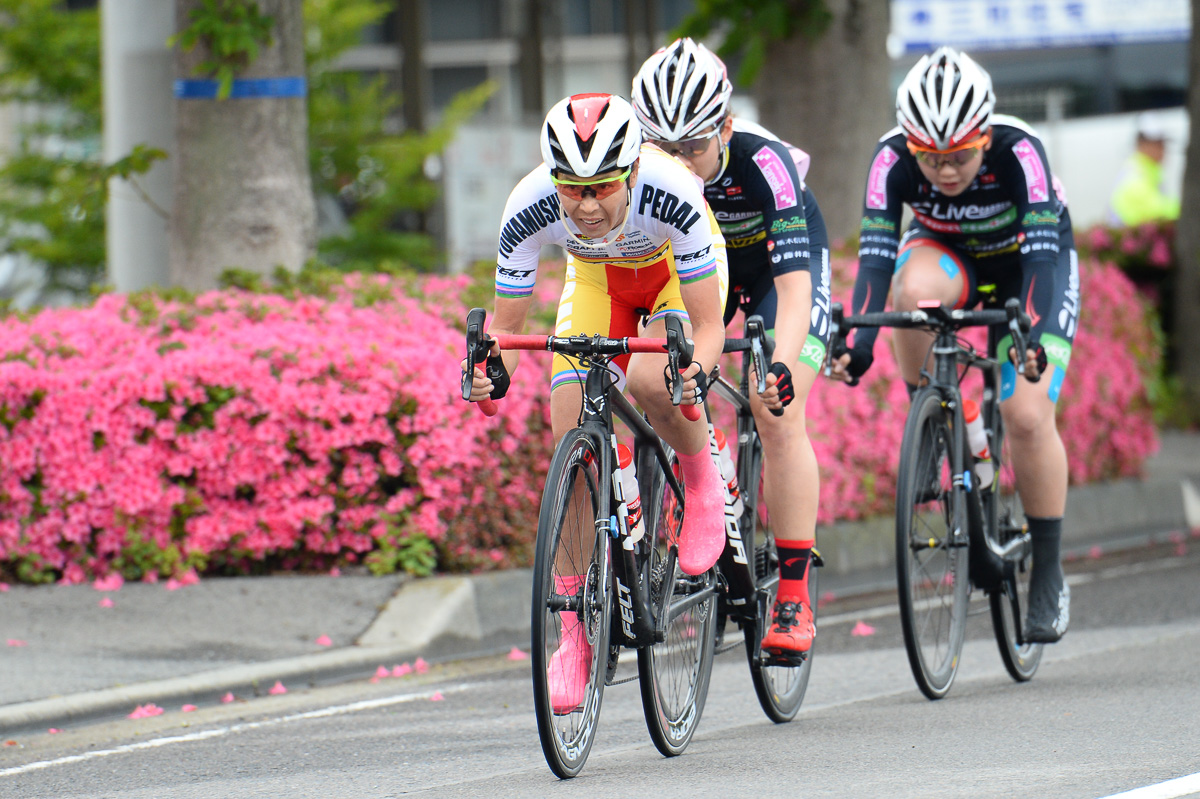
[1170, 789]
[219, 732]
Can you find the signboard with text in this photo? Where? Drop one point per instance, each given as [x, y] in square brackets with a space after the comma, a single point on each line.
[921, 25]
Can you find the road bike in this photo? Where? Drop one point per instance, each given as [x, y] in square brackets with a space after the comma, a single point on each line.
[952, 533]
[590, 569]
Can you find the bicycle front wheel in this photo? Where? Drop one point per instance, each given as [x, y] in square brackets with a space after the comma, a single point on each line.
[780, 688]
[674, 673]
[1002, 508]
[931, 547]
[571, 608]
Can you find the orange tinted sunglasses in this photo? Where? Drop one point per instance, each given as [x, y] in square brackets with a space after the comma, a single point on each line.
[574, 189]
[955, 156]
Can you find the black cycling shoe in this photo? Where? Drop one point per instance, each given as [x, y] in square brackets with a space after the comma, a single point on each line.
[1049, 608]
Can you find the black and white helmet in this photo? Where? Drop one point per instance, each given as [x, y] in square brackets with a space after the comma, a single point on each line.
[945, 100]
[589, 134]
[680, 91]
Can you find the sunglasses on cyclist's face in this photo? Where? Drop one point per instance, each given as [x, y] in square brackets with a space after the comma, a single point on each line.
[956, 157]
[574, 189]
[688, 148]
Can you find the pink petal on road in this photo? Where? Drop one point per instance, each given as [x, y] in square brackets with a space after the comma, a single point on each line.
[1176, 537]
[1180, 549]
[3, 587]
[437, 697]
[324, 640]
[517, 654]
[54, 730]
[335, 572]
[402, 670]
[1096, 552]
[112, 582]
[862, 629]
[420, 665]
[277, 688]
[16, 642]
[229, 697]
[145, 711]
[106, 602]
[826, 598]
[382, 672]
[188, 709]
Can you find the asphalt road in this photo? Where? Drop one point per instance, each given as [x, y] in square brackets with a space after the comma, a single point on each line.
[1114, 707]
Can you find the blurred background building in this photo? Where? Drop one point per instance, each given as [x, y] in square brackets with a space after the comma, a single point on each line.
[1078, 70]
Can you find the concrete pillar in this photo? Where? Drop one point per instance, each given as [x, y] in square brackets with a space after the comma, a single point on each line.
[138, 109]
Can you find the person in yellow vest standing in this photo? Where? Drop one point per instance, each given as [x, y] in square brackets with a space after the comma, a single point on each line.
[1140, 195]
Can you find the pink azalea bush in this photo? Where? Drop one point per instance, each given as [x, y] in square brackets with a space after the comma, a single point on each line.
[234, 432]
[240, 431]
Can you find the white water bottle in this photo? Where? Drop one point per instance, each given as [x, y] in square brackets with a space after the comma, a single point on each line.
[629, 490]
[729, 474]
[977, 436]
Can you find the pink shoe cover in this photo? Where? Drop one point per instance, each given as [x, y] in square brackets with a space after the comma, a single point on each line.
[703, 537]
[569, 667]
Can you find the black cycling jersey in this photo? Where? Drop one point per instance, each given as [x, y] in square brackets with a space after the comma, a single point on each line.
[1011, 218]
[759, 200]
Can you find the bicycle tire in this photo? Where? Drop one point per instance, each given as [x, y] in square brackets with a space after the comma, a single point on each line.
[1004, 513]
[780, 689]
[674, 674]
[931, 548]
[571, 499]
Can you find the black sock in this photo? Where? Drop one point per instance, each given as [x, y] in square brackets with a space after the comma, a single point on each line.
[1046, 535]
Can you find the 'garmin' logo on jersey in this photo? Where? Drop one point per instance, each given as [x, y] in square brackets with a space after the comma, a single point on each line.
[525, 223]
[666, 207]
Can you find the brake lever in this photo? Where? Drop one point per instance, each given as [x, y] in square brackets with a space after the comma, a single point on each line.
[479, 346]
[679, 357]
[1018, 325]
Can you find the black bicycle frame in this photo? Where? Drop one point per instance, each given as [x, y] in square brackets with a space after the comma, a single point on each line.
[638, 625]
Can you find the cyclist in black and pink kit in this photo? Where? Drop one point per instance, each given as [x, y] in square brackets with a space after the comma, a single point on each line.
[990, 221]
[778, 269]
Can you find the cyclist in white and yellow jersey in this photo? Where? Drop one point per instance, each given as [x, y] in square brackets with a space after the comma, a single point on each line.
[641, 243]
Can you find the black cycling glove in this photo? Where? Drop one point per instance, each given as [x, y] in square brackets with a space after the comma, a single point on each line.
[860, 362]
[701, 379]
[783, 382]
[499, 376]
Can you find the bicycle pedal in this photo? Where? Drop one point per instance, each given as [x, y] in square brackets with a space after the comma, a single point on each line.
[788, 661]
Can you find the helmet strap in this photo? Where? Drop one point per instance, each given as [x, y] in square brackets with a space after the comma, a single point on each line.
[724, 163]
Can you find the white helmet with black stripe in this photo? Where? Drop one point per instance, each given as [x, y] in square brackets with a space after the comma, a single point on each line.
[945, 100]
[590, 134]
[680, 91]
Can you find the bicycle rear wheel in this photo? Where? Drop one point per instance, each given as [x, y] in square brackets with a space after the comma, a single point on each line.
[674, 674]
[931, 548]
[780, 689]
[571, 589]
[1003, 510]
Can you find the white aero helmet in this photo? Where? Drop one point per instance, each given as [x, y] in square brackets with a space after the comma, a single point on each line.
[945, 100]
[680, 90]
[589, 134]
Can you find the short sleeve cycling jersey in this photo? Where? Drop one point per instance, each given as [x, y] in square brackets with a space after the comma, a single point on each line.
[1012, 208]
[758, 199]
[667, 216]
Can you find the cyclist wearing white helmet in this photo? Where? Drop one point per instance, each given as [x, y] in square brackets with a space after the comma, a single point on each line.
[778, 269]
[641, 244]
[990, 223]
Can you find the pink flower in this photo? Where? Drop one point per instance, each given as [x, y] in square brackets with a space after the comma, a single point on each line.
[277, 689]
[145, 711]
[324, 640]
